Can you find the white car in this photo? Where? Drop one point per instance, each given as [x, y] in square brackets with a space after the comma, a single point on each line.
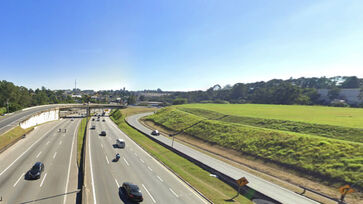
[155, 132]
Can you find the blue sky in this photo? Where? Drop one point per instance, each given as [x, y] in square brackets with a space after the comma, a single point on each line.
[176, 45]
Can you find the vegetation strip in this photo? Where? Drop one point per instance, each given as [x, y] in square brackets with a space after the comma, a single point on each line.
[329, 131]
[216, 190]
[332, 160]
[81, 134]
[12, 136]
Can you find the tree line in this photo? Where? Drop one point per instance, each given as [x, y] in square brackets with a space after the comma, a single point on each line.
[13, 98]
[302, 91]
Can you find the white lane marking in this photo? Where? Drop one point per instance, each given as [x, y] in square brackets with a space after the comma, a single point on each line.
[43, 179]
[117, 183]
[90, 160]
[54, 155]
[176, 195]
[102, 146]
[60, 142]
[107, 160]
[126, 162]
[149, 168]
[135, 154]
[38, 154]
[142, 161]
[146, 153]
[69, 165]
[160, 178]
[47, 143]
[152, 198]
[25, 151]
[18, 180]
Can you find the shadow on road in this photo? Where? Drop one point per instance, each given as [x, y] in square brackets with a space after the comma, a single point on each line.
[50, 197]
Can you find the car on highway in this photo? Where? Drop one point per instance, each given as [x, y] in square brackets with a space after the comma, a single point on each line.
[72, 119]
[103, 133]
[120, 143]
[93, 119]
[132, 192]
[103, 120]
[155, 132]
[93, 127]
[36, 171]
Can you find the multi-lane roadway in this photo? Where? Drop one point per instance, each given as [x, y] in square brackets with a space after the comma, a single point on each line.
[157, 184]
[57, 150]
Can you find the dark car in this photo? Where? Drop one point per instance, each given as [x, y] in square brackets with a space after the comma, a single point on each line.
[36, 171]
[132, 192]
[103, 133]
[93, 119]
[93, 127]
[103, 120]
[155, 132]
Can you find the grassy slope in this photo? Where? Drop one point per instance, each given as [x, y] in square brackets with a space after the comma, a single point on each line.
[334, 159]
[211, 187]
[81, 131]
[12, 135]
[346, 117]
[330, 131]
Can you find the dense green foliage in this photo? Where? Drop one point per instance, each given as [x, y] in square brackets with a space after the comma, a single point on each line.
[18, 97]
[216, 190]
[80, 138]
[331, 159]
[330, 131]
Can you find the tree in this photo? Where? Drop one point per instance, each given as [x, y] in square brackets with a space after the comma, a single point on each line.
[131, 100]
[334, 93]
[179, 101]
[239, 91]
[350, 83]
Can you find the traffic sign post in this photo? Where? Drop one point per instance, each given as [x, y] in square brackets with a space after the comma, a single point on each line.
[241, 182]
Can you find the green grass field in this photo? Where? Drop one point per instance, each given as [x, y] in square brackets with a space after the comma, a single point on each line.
[346, 117]
[80, 136]
[12, 135]
[325, 156]
[214, 189]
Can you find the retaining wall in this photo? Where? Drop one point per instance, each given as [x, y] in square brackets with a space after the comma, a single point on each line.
[40, 118]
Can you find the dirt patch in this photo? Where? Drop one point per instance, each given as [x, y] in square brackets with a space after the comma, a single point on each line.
[269, 171]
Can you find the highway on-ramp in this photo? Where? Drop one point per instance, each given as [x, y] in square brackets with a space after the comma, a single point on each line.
[157, 184]
[267, 188]
[57, 150]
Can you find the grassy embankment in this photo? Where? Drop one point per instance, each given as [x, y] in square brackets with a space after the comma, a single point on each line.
[213, 188]
[81, 133]
[331, 159]
[12, 135]
[2, 110]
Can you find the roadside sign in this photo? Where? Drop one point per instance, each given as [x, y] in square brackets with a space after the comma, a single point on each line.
[346, 189]
[242, 181]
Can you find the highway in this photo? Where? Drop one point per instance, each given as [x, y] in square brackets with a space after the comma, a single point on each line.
[269, 189]
[157, 184]
[57, 150]
[9, 121]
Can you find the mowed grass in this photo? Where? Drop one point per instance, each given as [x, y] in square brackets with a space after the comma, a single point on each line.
[332, 160]
[12, 135]
[346, 117]
[81, 131]
[329, 131]
[212, 188]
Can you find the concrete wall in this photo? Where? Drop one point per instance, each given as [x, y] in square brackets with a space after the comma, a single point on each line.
[40, 118]
[351, 96]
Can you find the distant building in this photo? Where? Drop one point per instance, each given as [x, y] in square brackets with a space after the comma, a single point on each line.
[350, 96]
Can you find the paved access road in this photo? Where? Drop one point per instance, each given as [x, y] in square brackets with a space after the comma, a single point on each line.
[157, 184]
[57, 150]
[269, 189]
[9, 121]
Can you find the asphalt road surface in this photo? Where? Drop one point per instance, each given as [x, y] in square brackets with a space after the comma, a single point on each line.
[157, 184]
[9, 121]
[57, 150]
[267, 188]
